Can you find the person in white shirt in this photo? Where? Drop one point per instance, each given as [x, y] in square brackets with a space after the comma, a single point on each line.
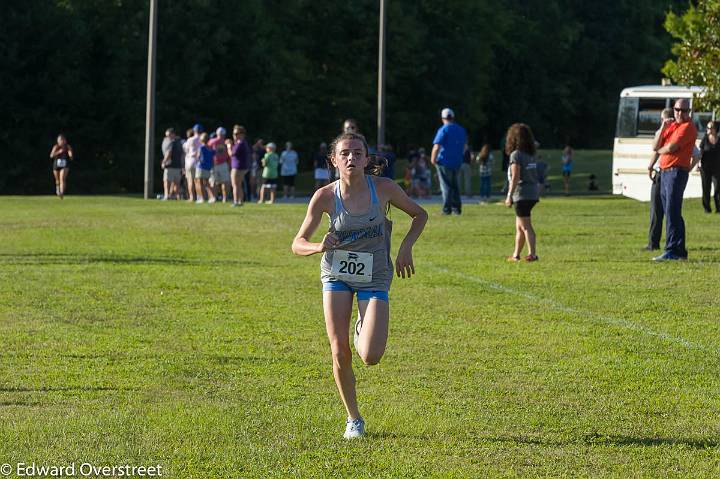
[191, 147]
[288, 170]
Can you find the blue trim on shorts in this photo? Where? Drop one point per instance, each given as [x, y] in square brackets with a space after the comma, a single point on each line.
[361, 295]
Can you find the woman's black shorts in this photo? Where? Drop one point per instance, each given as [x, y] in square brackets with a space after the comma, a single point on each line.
[524, 207]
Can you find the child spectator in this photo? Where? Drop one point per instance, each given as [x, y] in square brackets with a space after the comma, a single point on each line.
[204, 170]
[407, 178]
[593, 184]
[567, 164]
[269, 173]
[485, 162]
[288, 169]
[421, 179]
[542, 169]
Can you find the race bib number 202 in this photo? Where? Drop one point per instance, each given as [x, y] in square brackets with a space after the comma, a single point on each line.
[352, 266]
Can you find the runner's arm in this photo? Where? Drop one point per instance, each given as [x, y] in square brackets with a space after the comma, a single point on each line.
[404, 265]
[399, 199]
[301, 245]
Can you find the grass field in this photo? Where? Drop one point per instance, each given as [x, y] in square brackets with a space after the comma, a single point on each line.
[141, 332]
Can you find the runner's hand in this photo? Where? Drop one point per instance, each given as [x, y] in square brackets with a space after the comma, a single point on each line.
[330, 241]
[508, 201]
[404, 266]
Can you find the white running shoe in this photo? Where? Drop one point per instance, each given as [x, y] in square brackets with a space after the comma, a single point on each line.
[212, 200]
[358, 328]
[200, 201]
[354, 428]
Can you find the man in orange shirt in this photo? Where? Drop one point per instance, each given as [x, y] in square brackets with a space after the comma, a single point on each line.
[675, 147]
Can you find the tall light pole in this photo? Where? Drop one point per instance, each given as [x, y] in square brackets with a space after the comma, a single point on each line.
[150, 103]
[381, 76]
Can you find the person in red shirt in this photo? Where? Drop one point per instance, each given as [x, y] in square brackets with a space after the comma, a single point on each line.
[657, 213]
[675, 145]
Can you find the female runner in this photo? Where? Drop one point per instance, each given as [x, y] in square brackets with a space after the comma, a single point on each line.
[356, 260]
[61, 154]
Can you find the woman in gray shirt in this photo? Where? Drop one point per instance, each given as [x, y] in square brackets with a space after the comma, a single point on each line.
[523, 191]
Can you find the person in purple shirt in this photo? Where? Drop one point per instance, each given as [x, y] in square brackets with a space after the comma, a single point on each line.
[447, 156]
[240, 159]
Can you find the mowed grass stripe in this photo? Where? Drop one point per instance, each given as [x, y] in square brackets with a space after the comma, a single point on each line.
[538, 301]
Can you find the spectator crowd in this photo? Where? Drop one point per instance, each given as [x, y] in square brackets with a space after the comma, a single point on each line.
[209, 168]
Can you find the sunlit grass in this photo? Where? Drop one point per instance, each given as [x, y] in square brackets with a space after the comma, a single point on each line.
[142, 333]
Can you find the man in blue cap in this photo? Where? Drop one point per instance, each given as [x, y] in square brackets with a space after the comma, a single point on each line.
[447, 156]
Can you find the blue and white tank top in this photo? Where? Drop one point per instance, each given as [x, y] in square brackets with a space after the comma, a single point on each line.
[368, 232]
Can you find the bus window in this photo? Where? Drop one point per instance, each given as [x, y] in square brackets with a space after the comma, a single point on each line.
[627, 117]
[649, 115]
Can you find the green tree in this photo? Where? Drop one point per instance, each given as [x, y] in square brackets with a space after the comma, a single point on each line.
[698, 50]
[294, 69]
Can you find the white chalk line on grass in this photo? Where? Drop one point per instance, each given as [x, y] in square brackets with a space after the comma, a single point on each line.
[619, 322]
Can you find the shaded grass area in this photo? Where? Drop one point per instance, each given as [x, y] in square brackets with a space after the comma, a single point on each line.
[187, 335]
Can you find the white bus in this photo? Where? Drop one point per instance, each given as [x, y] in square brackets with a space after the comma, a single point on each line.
[638, 119]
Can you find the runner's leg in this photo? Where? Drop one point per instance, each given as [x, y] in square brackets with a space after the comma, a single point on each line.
[337, 306]
[375, 316]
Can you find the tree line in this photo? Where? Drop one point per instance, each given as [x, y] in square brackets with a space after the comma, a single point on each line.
[294, 69]
[697, 50]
